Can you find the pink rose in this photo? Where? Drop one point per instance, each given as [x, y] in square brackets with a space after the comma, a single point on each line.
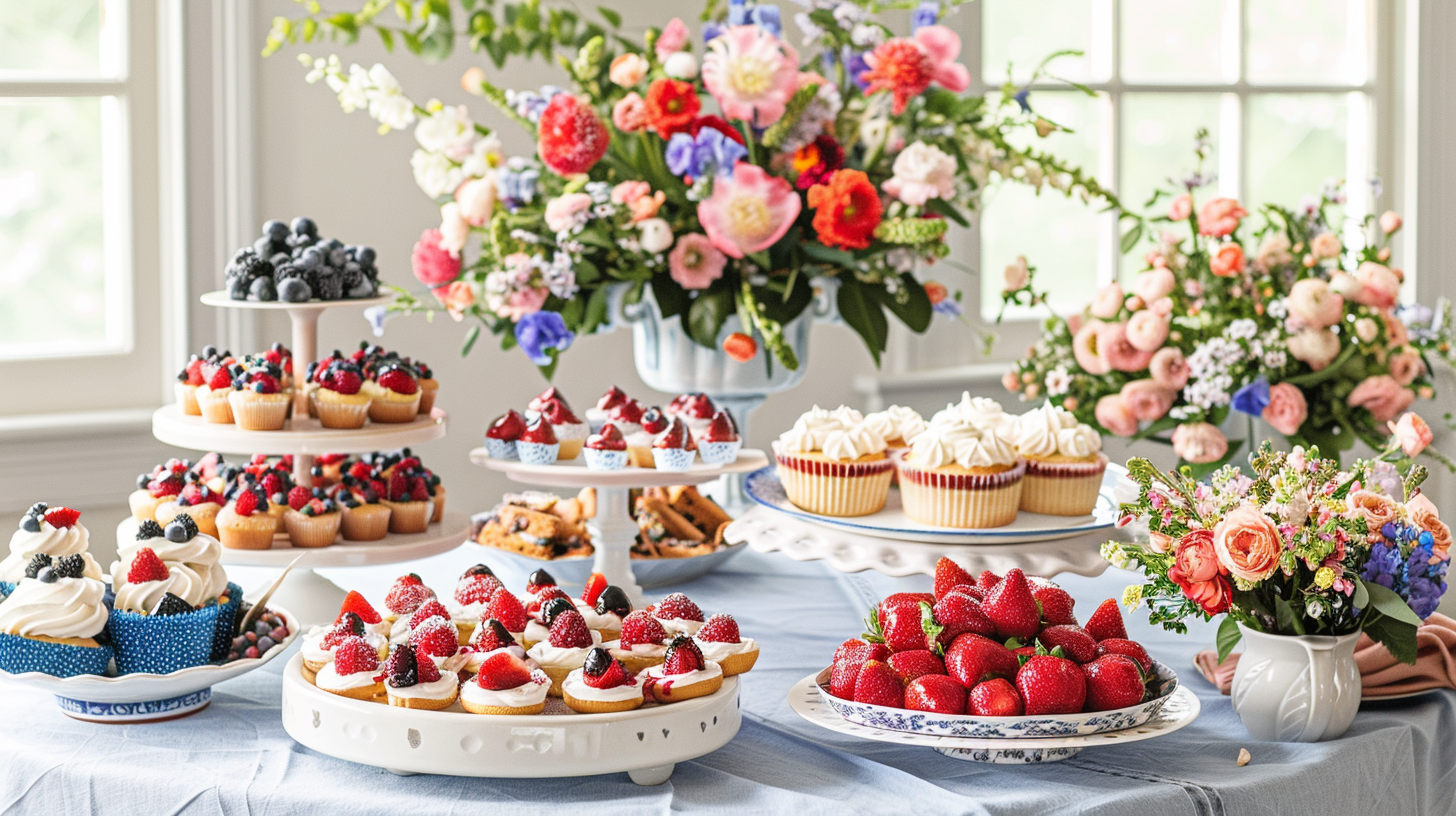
[630, 113]
[1313, 304]
[1011, 381]
[1314, 347]
[1378, 285]
[1147, 330]
[454, 229]
[1382, 396]
[1396, 334]
[1344, 285]
[1389, 222]
[1287, 409]
[695, 263]
[523, 302]
[674, 36]
[455, 297]
[627, 69]
[1107, 302]
[1374, 508]
[1325, 245]
[1180, 208]
[1406, 366]
[629, 191]
[1074, 323]
[1227, 261]
[1147, 399]
[432, 264]
[1114, 416]
[476, 198]
[1219, 217]
[1162, 306]
[1017, 274]
[1169, 368]
[1197, 571]
[1114, 346]
[561, 212]
[1412, 433]
[1199, 442]
[1159, 543]
[1154, 284]
[1087, 348]
[1248, 543]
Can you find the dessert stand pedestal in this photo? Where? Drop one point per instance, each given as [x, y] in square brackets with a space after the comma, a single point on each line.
[613, 529]
[647, 742]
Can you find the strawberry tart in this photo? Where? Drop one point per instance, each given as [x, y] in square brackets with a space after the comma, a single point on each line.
[601, 685]
[683, 673]
[566, 645]
[505, 683]
[721, 643]
[412, 681]
[642, 642]
[353, 671]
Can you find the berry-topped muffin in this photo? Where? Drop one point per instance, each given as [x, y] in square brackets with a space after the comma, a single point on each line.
[601, 685]
[404, 460]
[606, 449]
[312, 519]
[960, 475]
[653, 422]
[245, 523]
[1064, 462]
[53, 531]
[719, 443]
[570, 431]
[192, 557]
[198, 500]
[212, 395]
[280, 357]
[407, 496]
[163, 618]
[394, 394]
[411, 681]
[52, 621]
[505, 683]
[360, 496]
[501, 436]
[190, 378]
[538, 444]
[258, 400]
[674, 448]
[429, 386]
[339, 400]
[832, 467]
[164, 482]
[599, 414]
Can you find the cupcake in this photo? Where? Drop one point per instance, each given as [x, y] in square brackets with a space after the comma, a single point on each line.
[537, 405]
[429, 387]
[683, 673]
[897, 425]
[408, 499]
[831, 468]
[365, 516]
[353, 672]
[394, 394]
[642, 642]
[719, 444]
[601, 685]
[695, 410]
[188, 381]
[541, 611]
[501, 436]
[193, 558]
[565, 648]
[958, 475]
[198, 500]
[980, 412]
[538, 444]
[212, 396]
[673, 449]
[599, 414]
[52, 621]
[246, 524]
[328, 469]
[414, 682]
[159, 623]
[314, 375]
[505, 684]
[1064, 462]
[606, 449]
[164, 482]
[639, 444]
[258, 400]
[339, 401]
[280, 358]
[53, 531]
[312, 519]
[721, 643]
[570, 432]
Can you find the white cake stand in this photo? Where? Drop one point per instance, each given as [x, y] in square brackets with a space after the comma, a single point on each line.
[613, 528]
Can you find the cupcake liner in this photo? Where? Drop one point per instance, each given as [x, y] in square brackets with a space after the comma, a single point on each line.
[367, 522]
[503, 449]
[408, 517]
[227, 621]
[20, 654]
[162, 644]
[386, 411]
[535, 453]
[345, 415]
[676, 459]
[427, 397]
[438, 501]
[312, 531]
[187, 398]
[719, 453]
[215, 407]
[310, 398]
[1062, 488]
[605, 459]
[254, 414]
[961, 500]
[835, 488]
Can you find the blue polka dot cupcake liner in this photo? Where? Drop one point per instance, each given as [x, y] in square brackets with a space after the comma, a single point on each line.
[501, 449]
[20, 654]
[6, 588]
[162, 644]
[604, 459]
[535, 453]
[227, 622]
[719, 453]
[672, 458]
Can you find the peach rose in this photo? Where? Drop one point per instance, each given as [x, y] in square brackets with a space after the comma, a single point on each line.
[1159, 543]
[1248, 543]
[476, 198]
[456, 298]
[1412, 433]
[1197, 571]
[1406, 366]
[1314, 347]
[1011, 381]
[562, 211]
[1389, 222]
[1107, 302]
[1325, 245]
[1147, 400]
[1017, 274]
[1382, 396]
[1378, 285]
[1180, 208]
[1169, 368]
[1424, 515]
[1199, 442]
[1396, 334]
[1154, 284]
[1312, 303]
[1087, 348]
[1162, 306]
[1114, 416]
[1273, 251]
[1219, 217]
[1344, 285]
[1374, 508]
[1228, 261]
[627, 70]
[1287, 409]
[630, 113]
[1147, 330]
[1114, 346]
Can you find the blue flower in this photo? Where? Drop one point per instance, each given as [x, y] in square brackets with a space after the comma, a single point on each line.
[738, 12]
[767, 18]
[681, 157]
[926, 14]
[1384, 567]
[516, 183]
[948, 307]
[856, 65]
[709, 152]
[712, 31]
[1253, 398]
[538, 332]
[377, 317]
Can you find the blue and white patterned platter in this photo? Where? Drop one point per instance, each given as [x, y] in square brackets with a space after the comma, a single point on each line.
[765, 488]
[651, 573]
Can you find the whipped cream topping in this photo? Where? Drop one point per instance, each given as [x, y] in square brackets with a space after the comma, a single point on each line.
[847, 415]
[446, 686]
[575, 685]
[636, 650]
[958, 442]
[473, 658]
[65, 608]
[687, 627]
[572, 430]
[709, 670]
[199, 554]
[142, 598]
[53, 541]
[837, 433]
[1050, 430]
[560, 656]
[313, 644]
[853, 442]
[536, 631]
[523, 696]
[718, 651]
[981, 412]
[330, 680]
[896, 422]
[608, 620]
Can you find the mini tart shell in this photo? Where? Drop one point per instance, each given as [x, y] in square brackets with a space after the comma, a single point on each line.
[830, 487]
[476, 708]
[637, 663]
[187, 399]
[259, 412]
[423, 703]
[963, 498]
[335, 410]
[215, 406]
[394, 408]
[205, 515]
[558, 676]
[740, 663]
[1060, 486]
[253, 532]
[312, 531]
[370, 694]
[367, 522]
[570, 449]
[408, 516]
[676, 692]
[601, 706]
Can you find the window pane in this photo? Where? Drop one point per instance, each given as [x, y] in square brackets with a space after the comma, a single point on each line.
[1296, 144]
[52, 281]
[1157, 145]
[1058, 236]
[56, 37]
[1024, 32]
[1165, 42]
[1303, 41]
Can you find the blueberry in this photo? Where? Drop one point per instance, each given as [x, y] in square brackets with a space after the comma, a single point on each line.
[299, 241]
[46, 575]
[364, 255]
[305, 226]
[263, 247]
[243, 254]
[265, 643]
[366, 288]
[333, 244]
[209, 352]
[30, 524]
[280, 258]
[311, 258]
[337, 258]
[262, 628]
[277, 230]
[262, 289]
[294, 290]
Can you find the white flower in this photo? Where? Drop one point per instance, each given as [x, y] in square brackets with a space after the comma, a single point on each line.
[435, 174]
[1243, 329]
[485, 156]
[387, 102]
[922, 172]
[1366, 329]
[448, 130]
[1058, 382]
[1313, 609]
[682, 65]
[866, 36]
[656, 235]
[454, 229]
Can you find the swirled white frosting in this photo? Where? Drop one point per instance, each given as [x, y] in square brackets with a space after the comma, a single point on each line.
[847, 415]
[65, 608]
[1051, 430]
[53, 541]
[181, 580]
[199, 555]
[957, 442]
[853, 442]
[811, 430]
[896, 422]
[980, 412]
[715, 651]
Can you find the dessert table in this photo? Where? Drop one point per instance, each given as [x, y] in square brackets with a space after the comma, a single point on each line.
[234, 757]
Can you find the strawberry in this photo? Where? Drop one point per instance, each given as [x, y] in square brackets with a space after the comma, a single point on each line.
[221, 379]
[988, 580]
[683, 656]
[900, 626]
[1056, 606]
[1130, 648]
[354, 602]
[878, 684]
[272, 485]
[353, 654]
[677, 607]
[996, 698]
[948, 574]
[246, 503]
[593, 589]
[848, 661]
[490, 634]
[406, 598]
[62, 517]
[602, 671]
[740, 347]
[972, 658]
[539, 580]
[1074, 641]
[427, 671]
[398, 381]
[436, 637]
[570, 631]
[505, 607]
[936, 693]
[640, 627]
[1010, 606]
[146, 566]
[431, 608]
[958, 612]
[503, 671]
[419, 491]
[349, 624]
[398, 489]
[478, 589]
[1106, 622]
[194, 371]
[898, 599]
[721, 628]
[1024, 653]
[298, 497]
[1051, 685]
[1113, 681]
[916, 663]
[362, 470]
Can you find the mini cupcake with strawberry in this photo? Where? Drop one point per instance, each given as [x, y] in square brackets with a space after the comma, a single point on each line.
[606, 449]
[601, 685]
[193, 557]
[55, 620]
[570, 432]
[160, 620]
[437, 639]
[412, 681]
[674, 448]
[537, 406]
[540, 612]
[678, 613]
[258, 400]
[328, 469]
[164, 482]
[653, 423]
[212, 394]
[505, 683]
[599, 414]
[501, 436]
[407, 495]
[507, 610]
[245, 523]
[718, 444]
[198, 500]
[191, 377]
[53, 531]
[538, 444]
[696, 410]
[490, 637]
[278, 355]
[719, 641]
[274, 477]
[472, 595]
[339, 401]
[353, 672]
[642, 643]
[684, 673]
[626, 416]
[356, 619]
[404, 460]
[394, 394]
[314, 374]
[312, 519]
[429, 386]
[360, 496]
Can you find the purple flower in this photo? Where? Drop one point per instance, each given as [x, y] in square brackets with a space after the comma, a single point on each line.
[1253, 398]
[1021, 98]
[681, 157]
[538, 332]
[1384, 567]
[855, 65]
[712, 31]
[710, 152]
[925, 14]
[767, 18]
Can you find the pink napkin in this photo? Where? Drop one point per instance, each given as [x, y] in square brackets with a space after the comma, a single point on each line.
[1381, 675]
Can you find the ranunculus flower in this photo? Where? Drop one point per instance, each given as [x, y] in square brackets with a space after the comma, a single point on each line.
[630, 113]
[627, 69]
[1227, 261]
[1389, 222]
[1412, 433]
[1423, 514]
[1017, 275]
[1114, 346]
[751, 73]
[922, 172]
[1313, 304]
[656, 235]
[1396, 334]
[1197, 571]
[1366, 329]
[1107, 302]
[695, 263]
[1199, 442]
[1169, 368]
[1219, 217]
[1213, 596]
[1148, 400]
[1011, 381]
[561, 212]
[1180, 208]
[1344, 285]
[433, 265]
[1162, 306]
[846, 210]
[1382, 396]
[476, 198]
[454, 229]
[539, 332]
[1146, 330]
[906, 66]
[1114, 415]
[1375, 509]
[1248, 543]
[748, 211]
[1287, 409]
[1314, 347]
[1154, 284]
[1406, 365]
[1087, 348]
[456, 298]
[1325, 245]
[1379, 286]
[674, 38]
[1273, 252]
[570, 137]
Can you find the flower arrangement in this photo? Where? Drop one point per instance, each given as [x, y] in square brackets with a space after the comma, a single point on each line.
[721, 180]
[1300, 548]
[1290, 323]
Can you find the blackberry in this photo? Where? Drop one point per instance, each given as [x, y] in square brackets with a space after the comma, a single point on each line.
[172, 605]
[279, 258]
[366, 288]
[181, 529]
[352, 275]
[38, 562]
[553, 608]
[598, 663]
[401, 666]
[70, 566]
[294, 290]
[304, 226]
[330, 286]
[149, 529]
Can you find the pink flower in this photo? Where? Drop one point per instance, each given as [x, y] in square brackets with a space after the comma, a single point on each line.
[672, 39]
[695, 263]
[1325, 245]
[627, 69]
[476, 198]
[1017, 275]
[523, 302]
[1406, 366]
[629, 191]
[1118, 350]
[1227, 261]
[1199, 442]
[1107, 302]
[1313, 304]
[1396, 334]
[1423, 514]
[748, 211]
[1162, 306]
[630, 113]
[1154, 284]
[433, 265]
[455, 297]
[1378, 285]
[1114, 415]
[1219, 217]
[1147, 400]
[751, 73]
[1198, 573]
[1314, 347]
[1412, 433]
[454, 229]
[1287, 409]
[1146, 330]
[906, 67]
[1248, 543]
[1087, 348]
[562, 211]
[1180, 208]
[1389, 222]
[1169, 368]
[1382, 396]
[637, 196]
[1011, 381]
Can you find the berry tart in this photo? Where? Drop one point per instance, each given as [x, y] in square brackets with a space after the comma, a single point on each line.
[639, 444]
[604, 606]
[606, 449]
[601, 685]
[406, 596]
[678, 614]
[353, 672]
[600, 414]
[165, 481]
[491, 637]
[246, 523]
[320, 642]
[674, 448]
[360, 495]
[1064, 462]
[407, 495]
[696, 410]
[960, 475]
[570, 432]
[437, 639]
[683, 674]
[720, 642]
[538, 444]
[394, 393]
[258, 399]
[198, 500]
[313, 519]
[642, 643]
[190, 378]
[212, 395]
[338, 400]
[54, 620]
[718, 444]
[501, 436]
[474, 591]
[541, 610]
[566, 645]
[831, 467]
[54, 531]
[505, 684]
[411, 681]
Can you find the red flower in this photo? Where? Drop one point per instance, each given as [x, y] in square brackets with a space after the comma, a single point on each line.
[572, 136]
[432, 265]
[717, 123]
[902, 68]
[847, 209]
[671, 106]
[816, 160]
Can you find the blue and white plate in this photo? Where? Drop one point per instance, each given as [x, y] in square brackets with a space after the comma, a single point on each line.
[892, 523]
[512, 568]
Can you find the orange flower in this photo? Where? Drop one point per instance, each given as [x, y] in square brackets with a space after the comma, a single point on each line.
[847, 210]
[671, 106]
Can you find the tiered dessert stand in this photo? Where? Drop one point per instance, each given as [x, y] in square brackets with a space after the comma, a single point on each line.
[312, 597]
[613, 529]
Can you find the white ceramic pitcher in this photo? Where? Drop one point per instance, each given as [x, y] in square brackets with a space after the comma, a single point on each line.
[1290, 688]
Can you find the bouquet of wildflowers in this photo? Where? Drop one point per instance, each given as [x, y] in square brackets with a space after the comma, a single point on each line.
[1291, 323]
[721, 177]
[1301, 548]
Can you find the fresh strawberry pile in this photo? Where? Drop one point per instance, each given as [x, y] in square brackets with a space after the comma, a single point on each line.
[991, 646]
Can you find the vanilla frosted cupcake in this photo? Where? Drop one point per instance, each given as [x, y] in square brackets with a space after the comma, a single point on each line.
[960, 475]
[1064, 462]
[980, 412]
[831, 467]
[56, 532]
[897, 425]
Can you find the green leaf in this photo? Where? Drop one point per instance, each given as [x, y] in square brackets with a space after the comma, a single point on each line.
[782, 308]
[829, 255]
[596, 310]
[1387, 603]
[672, 300]
[859, 307]
[470, 338]
[941, 207]
[706, 315]
[387, 38]
[1361, 598]
[1228, 636]
[911, 304]
[1396, 636]
[1288, 621]
[1131, 237]
[610, 16]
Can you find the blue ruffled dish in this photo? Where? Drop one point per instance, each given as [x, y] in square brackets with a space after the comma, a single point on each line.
[227, 622]
[501, 449]
[19, 654]
[673, 459]
[162, 644]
